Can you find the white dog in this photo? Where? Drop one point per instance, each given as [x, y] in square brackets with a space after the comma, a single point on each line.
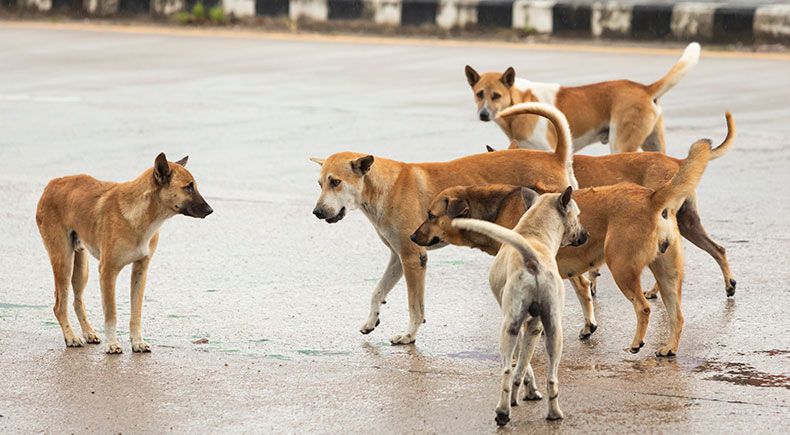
[528, 287]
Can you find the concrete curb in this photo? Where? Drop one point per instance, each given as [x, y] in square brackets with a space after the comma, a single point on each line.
[706, 22]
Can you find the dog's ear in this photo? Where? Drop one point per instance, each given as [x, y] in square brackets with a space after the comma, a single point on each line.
[565, 198]
[508, 77]
[490, 149]
[471, 75]
[362, 165]
[162, 170]
[317, 160]
[529, 196]
[513, 145]
[183, 161]
[457, 207]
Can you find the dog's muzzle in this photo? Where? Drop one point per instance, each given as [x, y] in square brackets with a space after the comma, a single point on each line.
[418, 240]
[320, 213]
[485, 115]
[197, 210]
[582, 239]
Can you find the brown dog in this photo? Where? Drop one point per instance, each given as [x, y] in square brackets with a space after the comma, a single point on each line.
[395, 195]
[118, 223]
[622, 112]
[653, 170]
[630, 227]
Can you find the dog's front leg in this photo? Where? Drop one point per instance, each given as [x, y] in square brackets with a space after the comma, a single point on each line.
[414, 262]
[108, 273]
[392, 274]
[139, 274]
[582, 288]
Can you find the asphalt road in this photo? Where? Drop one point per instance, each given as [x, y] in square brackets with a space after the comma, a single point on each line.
[280, 295]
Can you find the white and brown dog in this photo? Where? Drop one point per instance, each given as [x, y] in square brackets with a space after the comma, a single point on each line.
[623, 113]
[526, 282]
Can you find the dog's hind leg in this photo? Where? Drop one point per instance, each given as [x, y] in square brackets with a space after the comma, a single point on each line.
[414, 262]
[668, 270]
[61, 256]
[656, 141]
[79, 279]
[627, 278]
[392, 274]
[626, 134]
[108, 274]
[582, 288]
[139, 275]
[512, 323]
[551, 317]
[530, 337]
[691, 228]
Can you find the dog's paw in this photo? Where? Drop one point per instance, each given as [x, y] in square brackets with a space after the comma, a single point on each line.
[92, 337]
[652, 293]
[140, 346]
[402, 339]
[369, 326]
[587, 331]
[113, 348]
[665, 352]
[555, 414]
[502, 418]
[533, 395]
[730, 288]
[637, 349]
[74, 341]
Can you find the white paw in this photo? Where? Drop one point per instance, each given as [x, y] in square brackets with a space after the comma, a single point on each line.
[140, 346]
[370, 325]
[92, 337]
[402, 339]
[113, 347]
[555, 414]
[74, 341]
[533, 395]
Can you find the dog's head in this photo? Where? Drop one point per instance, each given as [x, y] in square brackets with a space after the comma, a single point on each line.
[491, 91]
[574, 234]
[476, 202]
[341, 180]
[177, 188]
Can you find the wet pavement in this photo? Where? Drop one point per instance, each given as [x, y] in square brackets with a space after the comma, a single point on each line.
[274, 298]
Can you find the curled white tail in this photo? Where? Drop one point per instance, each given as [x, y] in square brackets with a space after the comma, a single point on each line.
[502, 235]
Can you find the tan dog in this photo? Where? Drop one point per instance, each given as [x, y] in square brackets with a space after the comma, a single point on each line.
[118, 223]
[525, 282]
[395, 195]
[653, 170]
[630, 227]
[622, 112]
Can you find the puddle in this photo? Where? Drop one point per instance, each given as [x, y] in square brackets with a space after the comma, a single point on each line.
[316, 352]
[452, 262]
[13, 306]
[775, 352]
[260, 340]
[212, 290]
[743, 374]
[475, 355]
[183, 316]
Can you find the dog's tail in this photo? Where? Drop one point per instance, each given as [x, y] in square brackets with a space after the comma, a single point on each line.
[675, 191]
[686, 62]
[502, 235]
[727, 143]
[564, 150]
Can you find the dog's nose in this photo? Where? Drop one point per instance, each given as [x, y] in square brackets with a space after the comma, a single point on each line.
[583, 238]
[485, 116]
[319, 213]
[208, 210]
[414, 237]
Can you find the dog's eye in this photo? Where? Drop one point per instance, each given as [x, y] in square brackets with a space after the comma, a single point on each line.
[189, 188]
[496, 96]
[431, 216]
[334, 182]
[480, 94]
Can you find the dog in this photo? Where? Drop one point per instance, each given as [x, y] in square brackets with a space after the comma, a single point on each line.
[395, 196]
[623, 113]
[629, 226]
[118, 224]
[525, 282]
[651, 170]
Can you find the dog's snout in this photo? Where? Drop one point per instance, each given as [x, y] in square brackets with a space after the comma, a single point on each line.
[319, 213]
[414, 237]
[583, 237]
[485, 115]
[208, 210]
